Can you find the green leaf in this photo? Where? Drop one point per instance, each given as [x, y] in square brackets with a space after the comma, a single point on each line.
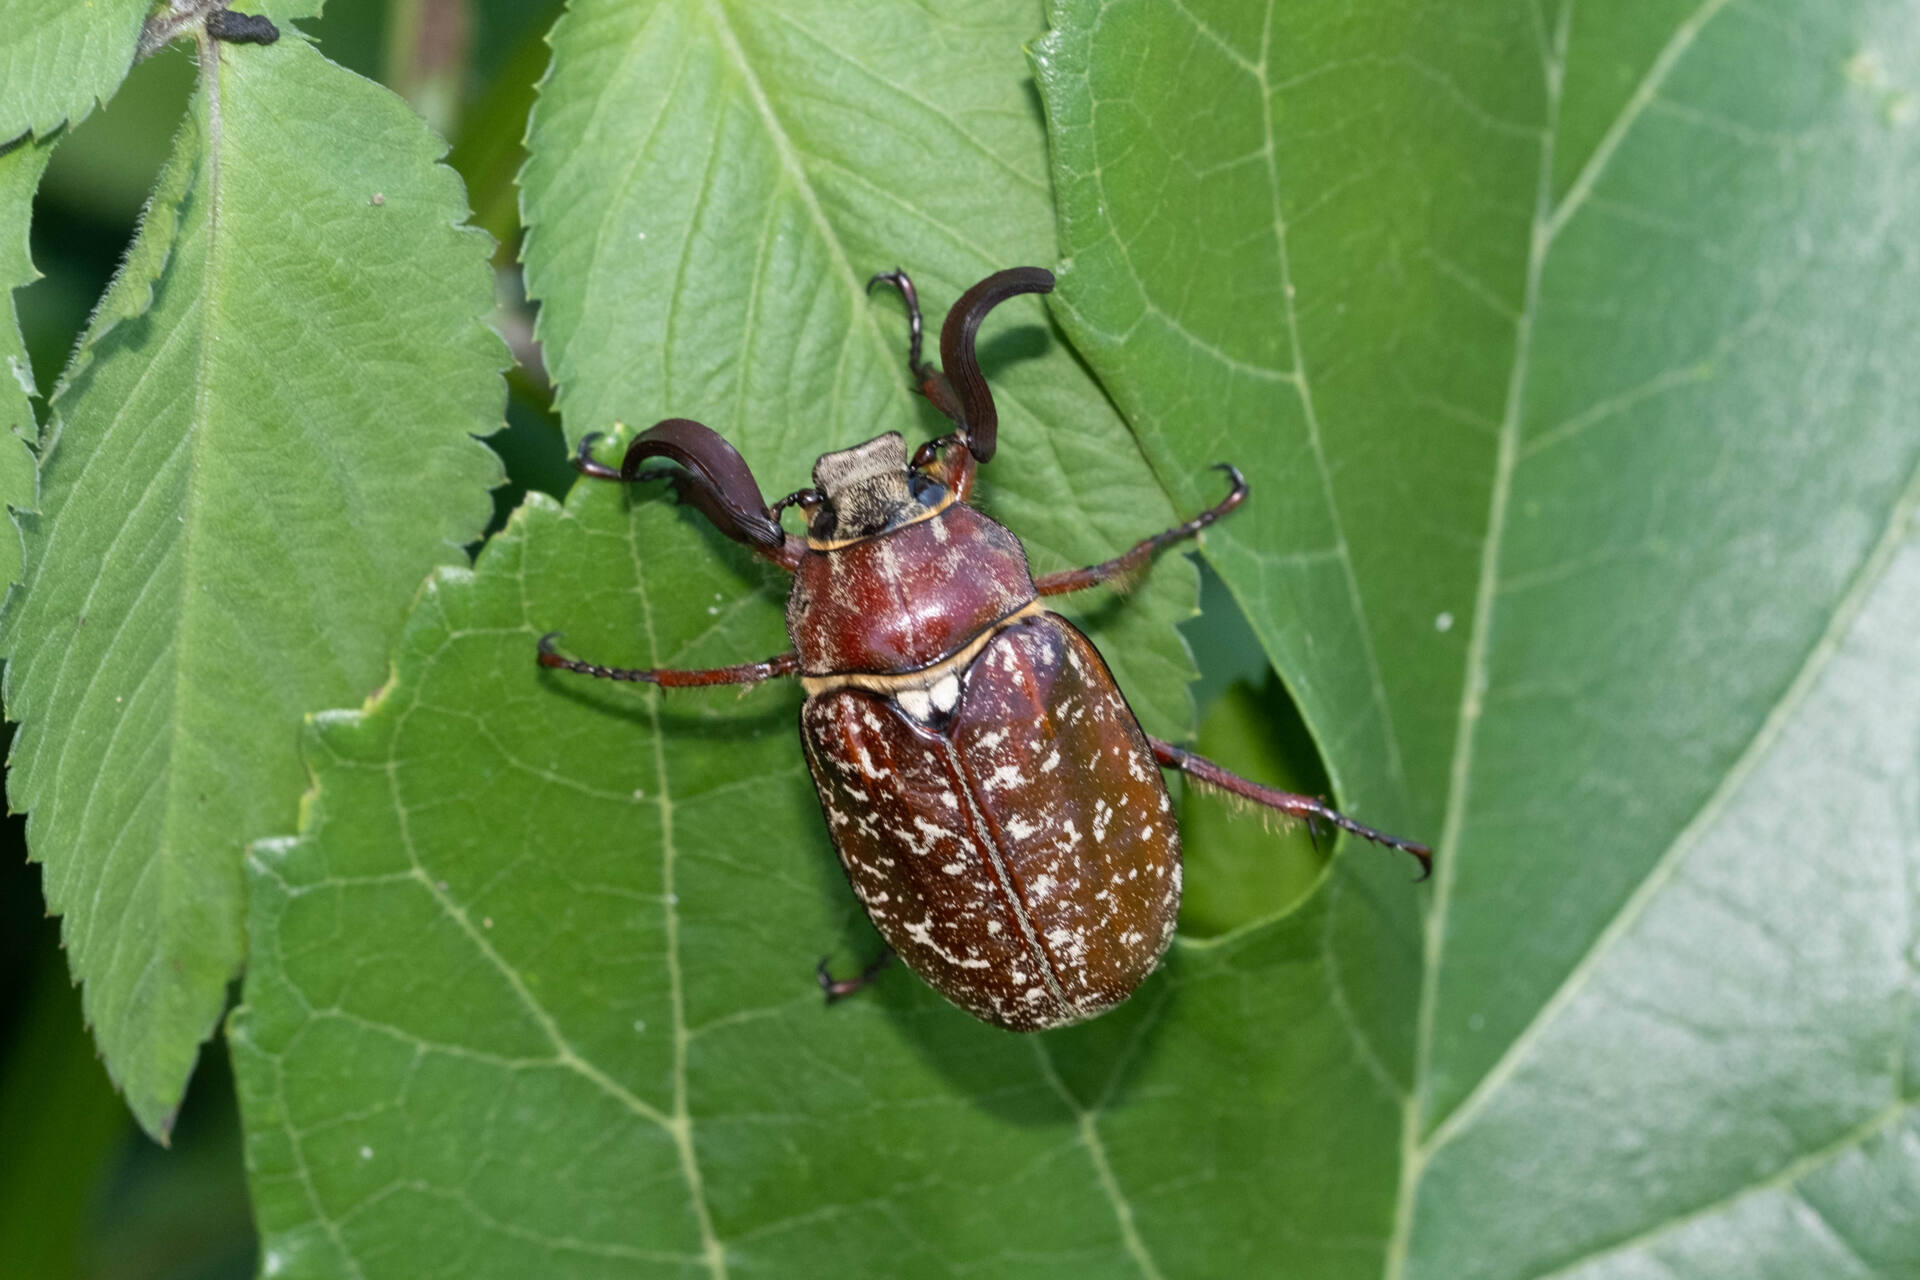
[533, 992]
[262, 444]
[1580, 343]
[21, 165]
[58, 59]
[709, 187]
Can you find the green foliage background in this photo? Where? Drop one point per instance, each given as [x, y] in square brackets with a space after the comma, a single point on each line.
[1567, 349]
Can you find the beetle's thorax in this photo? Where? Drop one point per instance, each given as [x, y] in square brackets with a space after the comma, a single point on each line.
[894, 581]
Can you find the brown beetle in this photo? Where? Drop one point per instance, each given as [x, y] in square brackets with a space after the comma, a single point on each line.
[995, 805]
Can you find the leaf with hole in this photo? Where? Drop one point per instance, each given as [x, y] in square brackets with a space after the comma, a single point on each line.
[533, 989]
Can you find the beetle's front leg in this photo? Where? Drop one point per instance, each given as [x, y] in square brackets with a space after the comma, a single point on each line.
[932, 383]
[1308, 808]
[1055, 584]
[669, 677]
[836, 989]
[899, 280]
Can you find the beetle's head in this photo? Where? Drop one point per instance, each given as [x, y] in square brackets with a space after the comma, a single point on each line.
[868, 489]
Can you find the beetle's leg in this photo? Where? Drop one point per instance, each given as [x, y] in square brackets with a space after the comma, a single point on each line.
[584, 463]
[1308, 808]
[669, 677]
[1054, 584]
[836, 989]
[932, 383]
[899, 280]
[949, 462]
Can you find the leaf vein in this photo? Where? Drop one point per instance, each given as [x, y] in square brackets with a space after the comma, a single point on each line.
[1096, 1149]
[1668, 864]
[1304, 390]
[1783, 1179]
[681, 1123]
[1636, 105]
[1474, 680]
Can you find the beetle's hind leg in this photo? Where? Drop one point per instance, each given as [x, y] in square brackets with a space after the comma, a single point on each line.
[773, 668]
[1308, 808]
[837, 989]
[1055, 584]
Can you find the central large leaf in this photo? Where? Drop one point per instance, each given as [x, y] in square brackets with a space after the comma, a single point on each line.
[532, 993]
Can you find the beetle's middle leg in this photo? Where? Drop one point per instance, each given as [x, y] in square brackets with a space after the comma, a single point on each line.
[773, 668]
[1055, 584]
[836, 989]
[1311, 809]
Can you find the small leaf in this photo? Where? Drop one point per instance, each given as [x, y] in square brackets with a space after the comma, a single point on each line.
[58, 59]
[1584, 336]
[262, 443]
[21, 165]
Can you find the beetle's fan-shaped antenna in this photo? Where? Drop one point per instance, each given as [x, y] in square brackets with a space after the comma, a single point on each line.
[717, 479]
[962, 367]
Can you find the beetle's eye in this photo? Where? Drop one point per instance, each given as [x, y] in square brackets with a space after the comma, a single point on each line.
[926, 490]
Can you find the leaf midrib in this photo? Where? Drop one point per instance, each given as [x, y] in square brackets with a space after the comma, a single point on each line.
[1550, 219]
[796, 172]
[213, 65]
[680, 1124]
[1311, 417]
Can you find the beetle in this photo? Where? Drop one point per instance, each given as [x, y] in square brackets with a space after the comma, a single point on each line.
[995, 805]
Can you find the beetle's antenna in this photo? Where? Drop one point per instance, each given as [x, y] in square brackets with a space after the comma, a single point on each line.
[978, 418]
[716, 481]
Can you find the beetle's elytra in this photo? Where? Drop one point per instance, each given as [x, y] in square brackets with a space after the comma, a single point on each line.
[995, 805]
